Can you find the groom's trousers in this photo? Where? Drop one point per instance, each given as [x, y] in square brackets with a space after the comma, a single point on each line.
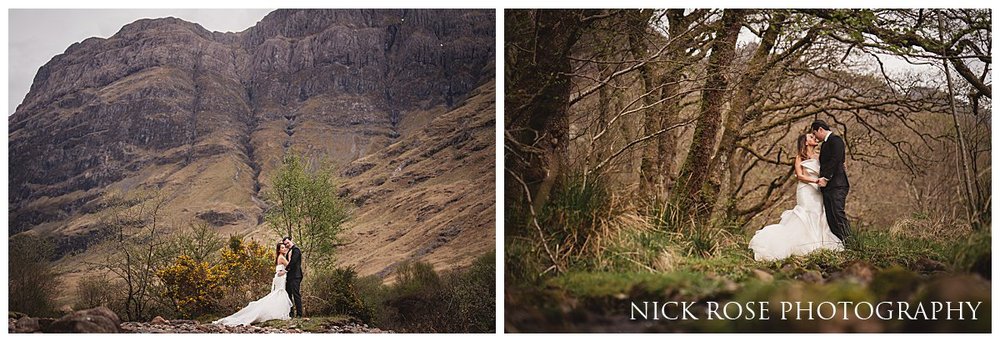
[833, 203]
[292, 286]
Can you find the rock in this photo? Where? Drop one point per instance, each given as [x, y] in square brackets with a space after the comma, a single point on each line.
[44, 322]
[96, 320]
[65, 309]
[860, 272]
[762, 275]
[812, 276]
[159, 320]
[926, 265]
[27, 325]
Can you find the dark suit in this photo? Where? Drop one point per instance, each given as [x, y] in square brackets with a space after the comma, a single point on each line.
[293, 280]
[831, 160]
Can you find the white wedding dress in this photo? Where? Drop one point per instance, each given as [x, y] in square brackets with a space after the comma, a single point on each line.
[274, 305]
[801, 230]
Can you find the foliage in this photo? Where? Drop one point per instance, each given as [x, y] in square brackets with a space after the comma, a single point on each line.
[200, 242]
[421, 300]
[581, 221]
[97, 290]
[245, 270]
[192, 285]
[337, 293]
[305, 206]
[32, 286]
[974, 254]
[884, 249]
[474, 292]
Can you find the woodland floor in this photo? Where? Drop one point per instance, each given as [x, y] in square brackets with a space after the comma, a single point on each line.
[884, 267]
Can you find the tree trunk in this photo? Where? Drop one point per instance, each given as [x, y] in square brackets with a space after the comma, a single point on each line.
[963, 162]
[742, 99]
[659, 154]
[691, 193]
[637, 22]
[538, 89]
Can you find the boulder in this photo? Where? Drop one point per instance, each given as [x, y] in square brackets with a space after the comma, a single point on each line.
[812, 276]
[45, 322]
[96, 320]
[762, 275]
[27, 325]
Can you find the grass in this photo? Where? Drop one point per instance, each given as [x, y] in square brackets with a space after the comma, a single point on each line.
[662, 258]
[682, 285]
[609, 252]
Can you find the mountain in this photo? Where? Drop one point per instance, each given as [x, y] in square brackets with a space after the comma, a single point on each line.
[401, 102]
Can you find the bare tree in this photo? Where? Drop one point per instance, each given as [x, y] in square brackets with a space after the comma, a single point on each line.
[135, 253]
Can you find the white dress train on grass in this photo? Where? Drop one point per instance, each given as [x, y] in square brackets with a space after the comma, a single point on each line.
[801, 230]
[274, 305]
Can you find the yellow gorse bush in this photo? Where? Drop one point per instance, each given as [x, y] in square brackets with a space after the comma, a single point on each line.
[196, 288]
[193, 286]
[246, 265]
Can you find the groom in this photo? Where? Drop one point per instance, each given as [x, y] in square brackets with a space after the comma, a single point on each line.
[294, 279]
[833, 181]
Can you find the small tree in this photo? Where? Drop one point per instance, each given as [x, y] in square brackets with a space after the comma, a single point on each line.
[95, 290]
[305, 206]
[200, 243]
[137, 247]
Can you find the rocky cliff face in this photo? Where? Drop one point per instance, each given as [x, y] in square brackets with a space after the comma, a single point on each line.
[206, 117]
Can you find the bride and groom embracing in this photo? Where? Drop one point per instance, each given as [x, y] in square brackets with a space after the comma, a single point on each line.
[284, 301]
[818, 220]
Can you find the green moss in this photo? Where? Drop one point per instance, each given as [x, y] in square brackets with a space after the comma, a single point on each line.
[687, 285]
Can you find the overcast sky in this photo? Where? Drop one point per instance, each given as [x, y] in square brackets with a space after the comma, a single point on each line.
[37, 35]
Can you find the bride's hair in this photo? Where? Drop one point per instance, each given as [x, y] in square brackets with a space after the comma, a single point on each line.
[277, 252]
[803, 148]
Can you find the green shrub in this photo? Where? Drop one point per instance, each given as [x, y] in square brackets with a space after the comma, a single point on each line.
[32, 284]
[93, 291]
[974, 254]
[474, 291]
[416, 301]
[421, 300]
[335, 291]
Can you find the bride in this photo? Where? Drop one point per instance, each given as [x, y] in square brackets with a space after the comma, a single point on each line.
[804, 228]
[274, 305]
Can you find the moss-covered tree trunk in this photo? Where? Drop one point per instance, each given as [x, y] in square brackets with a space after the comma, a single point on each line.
[538, 91]
[693, 192]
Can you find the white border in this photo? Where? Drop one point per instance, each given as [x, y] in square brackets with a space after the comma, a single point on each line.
[499, 6]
